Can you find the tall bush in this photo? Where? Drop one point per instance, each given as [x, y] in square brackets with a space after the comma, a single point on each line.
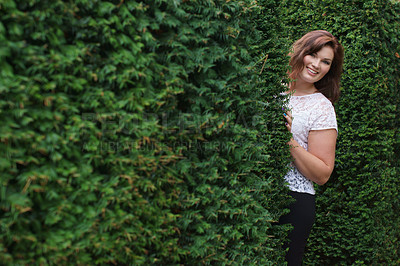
[235, 154]
[139, 133]
[78, 184]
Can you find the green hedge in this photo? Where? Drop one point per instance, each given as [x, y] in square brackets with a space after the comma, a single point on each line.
[150, 133]
[358, 221]
[140, 133]
[234, 154]
[76, 184]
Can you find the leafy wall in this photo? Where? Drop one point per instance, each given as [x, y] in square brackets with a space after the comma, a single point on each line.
[139, 133]
[149, 132]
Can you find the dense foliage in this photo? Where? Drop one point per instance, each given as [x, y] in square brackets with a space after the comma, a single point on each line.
[151, 132]
[139, 133]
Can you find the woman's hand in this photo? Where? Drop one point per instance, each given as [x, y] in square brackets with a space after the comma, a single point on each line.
[288, 117]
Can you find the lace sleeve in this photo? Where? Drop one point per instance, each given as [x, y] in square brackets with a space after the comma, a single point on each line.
[324, 117]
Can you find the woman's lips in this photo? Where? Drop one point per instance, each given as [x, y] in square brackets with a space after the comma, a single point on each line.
[312, 72]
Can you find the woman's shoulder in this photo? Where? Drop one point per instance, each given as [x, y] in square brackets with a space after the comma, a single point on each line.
[323, 107]
[321, 99]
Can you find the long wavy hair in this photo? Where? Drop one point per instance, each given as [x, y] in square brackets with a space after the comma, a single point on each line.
[311, 43]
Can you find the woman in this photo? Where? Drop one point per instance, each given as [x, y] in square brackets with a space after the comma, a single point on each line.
[316, 66]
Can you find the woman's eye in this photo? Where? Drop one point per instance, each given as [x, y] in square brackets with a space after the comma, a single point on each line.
[327, 62]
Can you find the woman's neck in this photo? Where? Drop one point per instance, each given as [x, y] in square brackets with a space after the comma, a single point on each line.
[302, 88]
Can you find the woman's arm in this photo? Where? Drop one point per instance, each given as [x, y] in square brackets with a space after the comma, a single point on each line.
[318, 162]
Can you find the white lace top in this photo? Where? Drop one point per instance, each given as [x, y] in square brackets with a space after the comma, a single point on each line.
[309, 112]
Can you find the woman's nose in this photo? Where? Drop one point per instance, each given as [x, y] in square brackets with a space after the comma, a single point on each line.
[316, 63]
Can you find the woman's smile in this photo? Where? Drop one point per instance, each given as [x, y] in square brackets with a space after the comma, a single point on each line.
[312, 72]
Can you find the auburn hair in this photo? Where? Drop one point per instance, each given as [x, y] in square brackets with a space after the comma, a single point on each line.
[311, 43]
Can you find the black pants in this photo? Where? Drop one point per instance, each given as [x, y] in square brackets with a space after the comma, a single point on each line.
[301, 216]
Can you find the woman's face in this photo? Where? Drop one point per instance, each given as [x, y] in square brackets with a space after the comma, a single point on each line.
[316, 65]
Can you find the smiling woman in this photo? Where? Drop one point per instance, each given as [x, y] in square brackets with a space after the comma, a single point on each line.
[316, 63]
[318, 45]
[316, 66]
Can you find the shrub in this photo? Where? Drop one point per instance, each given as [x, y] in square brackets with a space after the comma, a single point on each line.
[139, 133]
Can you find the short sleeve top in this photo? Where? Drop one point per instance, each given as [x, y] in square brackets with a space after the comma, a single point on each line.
[309, 112]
